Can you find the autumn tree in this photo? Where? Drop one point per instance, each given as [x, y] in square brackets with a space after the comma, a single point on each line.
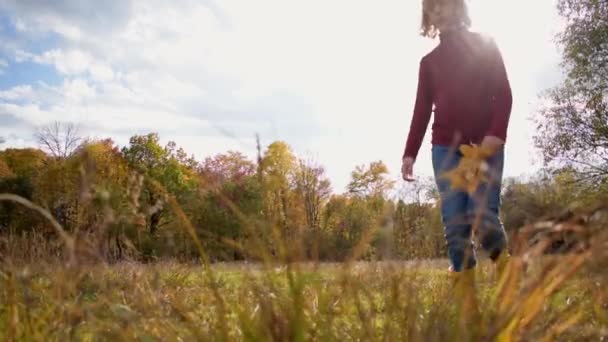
[5, 170]
[347, 222]
[57, 188]
[417, 229]
[231, 204]
[226, 167]
[108, 210]
[313, 190]
[370, 180]
[24, 162]
[277, 169]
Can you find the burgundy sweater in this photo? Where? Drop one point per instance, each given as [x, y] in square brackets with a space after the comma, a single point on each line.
[465, 79]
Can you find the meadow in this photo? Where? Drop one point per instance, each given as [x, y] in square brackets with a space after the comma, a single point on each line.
[552, 298]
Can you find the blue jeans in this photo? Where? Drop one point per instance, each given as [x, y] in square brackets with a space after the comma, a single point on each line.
[463, 213]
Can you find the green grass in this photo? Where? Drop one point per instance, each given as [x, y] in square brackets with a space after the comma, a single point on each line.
[329, 302]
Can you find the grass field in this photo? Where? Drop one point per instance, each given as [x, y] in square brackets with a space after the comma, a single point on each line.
[327, 302]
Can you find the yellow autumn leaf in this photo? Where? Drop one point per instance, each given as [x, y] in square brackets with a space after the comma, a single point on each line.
[466, 150]
[456, 178]
[469, 174]
[475, 152]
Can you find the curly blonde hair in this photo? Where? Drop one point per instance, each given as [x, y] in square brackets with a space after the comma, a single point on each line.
[442, 13]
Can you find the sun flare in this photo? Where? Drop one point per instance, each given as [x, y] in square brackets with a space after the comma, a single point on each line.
[491, 16]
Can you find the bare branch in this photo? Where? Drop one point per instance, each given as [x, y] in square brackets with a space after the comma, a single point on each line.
[59, 139]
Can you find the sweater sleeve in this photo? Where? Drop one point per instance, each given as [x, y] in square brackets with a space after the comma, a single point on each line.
[422, 112]
[502, 98]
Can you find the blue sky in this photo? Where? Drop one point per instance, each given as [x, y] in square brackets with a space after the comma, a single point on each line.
[335, 79]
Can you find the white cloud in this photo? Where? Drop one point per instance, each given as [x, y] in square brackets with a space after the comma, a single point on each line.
[101, 72]
[75, 62]
[336, 78]
[70, 62]
[23, 92]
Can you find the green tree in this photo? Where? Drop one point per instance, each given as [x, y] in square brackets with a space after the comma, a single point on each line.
[12, 216]
[359, 223]
[20, 171]
[546, 195]
[573, 127]
[166, 170]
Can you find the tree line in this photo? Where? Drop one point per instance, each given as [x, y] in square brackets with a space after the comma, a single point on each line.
[147, 201]
[132, 202]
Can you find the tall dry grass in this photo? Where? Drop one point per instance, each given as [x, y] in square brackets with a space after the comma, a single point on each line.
[536, 298]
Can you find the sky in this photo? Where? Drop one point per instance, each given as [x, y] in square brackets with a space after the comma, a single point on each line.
[336, 79]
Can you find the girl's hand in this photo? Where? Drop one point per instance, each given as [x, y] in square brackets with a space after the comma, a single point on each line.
[492, 143]
[407, 169]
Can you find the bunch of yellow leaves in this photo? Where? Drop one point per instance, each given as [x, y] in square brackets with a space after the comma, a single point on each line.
[472, 169]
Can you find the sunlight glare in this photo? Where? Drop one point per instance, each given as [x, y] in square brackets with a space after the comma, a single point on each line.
[493, 17]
